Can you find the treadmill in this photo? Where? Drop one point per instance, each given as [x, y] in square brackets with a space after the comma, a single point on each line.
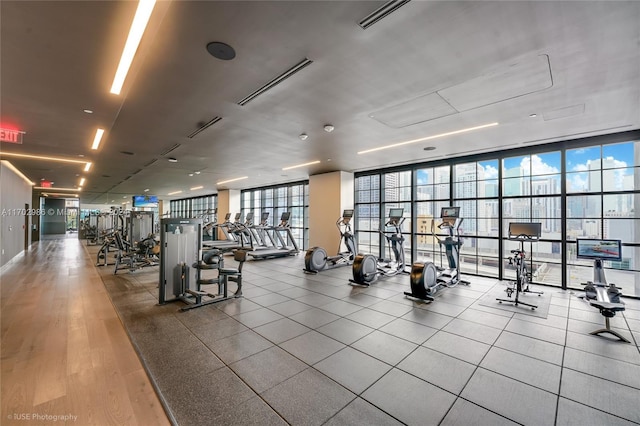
[283, 249]
[233, 241]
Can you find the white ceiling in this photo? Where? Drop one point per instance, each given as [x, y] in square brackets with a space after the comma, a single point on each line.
[428, 68]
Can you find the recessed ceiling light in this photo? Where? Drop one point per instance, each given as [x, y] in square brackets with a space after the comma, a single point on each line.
[303, 136]
[146, 190]
[87, 167]
[301, 165]
[533, 115]
[174, 193]
[88, 111]
[190, 174]
[195, 188]
[328, 128]
[429, 148]
[97, 139]
[197, 173]
[231, 180]
[80, 155]
[172, 160]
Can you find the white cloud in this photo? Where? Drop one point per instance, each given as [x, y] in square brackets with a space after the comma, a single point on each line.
[490, 172]
[538, 167]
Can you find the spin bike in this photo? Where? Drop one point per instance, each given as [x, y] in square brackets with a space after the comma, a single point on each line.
[426, 278]
[367, 267]
[316, 258]
[521, 232]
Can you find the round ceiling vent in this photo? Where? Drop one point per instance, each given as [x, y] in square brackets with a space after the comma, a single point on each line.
[221, 50]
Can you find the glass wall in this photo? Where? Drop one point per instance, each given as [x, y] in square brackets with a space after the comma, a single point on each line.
[574, 189]
[292, 198]
[196, 207]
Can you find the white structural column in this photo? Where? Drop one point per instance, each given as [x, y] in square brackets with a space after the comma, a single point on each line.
[329, 194]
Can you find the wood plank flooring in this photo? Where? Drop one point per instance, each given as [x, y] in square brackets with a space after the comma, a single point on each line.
[64, 350]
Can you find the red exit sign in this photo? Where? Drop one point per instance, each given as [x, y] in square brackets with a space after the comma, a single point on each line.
[11, 136]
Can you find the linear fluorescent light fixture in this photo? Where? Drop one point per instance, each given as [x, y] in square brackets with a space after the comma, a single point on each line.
[195, 188]
[175, 192]
[139, 24]
[43, 157]
[46, 194]
[384, 10]
[279, 79]
[441, 135]
[301, 165]
[205, 126]
[82, 180]
[16, 171]
[57, 189]
[87, 167]
[231, 180]
[97, 139]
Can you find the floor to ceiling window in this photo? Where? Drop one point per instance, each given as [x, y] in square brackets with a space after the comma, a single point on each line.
[292, 198]
[195, 207]
[587, 188]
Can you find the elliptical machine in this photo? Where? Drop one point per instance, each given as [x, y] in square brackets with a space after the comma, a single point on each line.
[316, 258]
[367, 267]
[426, 278]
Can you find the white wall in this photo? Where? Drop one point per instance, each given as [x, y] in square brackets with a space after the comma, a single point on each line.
[228, 202]
[15, 192]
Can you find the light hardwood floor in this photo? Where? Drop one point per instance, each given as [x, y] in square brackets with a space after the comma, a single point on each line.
[64, 349]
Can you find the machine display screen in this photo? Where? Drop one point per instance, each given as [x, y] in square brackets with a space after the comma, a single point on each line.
[452, 212]
[396, 213]
[599, 249]
[529, 229]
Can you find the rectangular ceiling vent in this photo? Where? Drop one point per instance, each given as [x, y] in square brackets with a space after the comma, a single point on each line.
[383, 11]
[279, 79]
[176, 146]
[204, 126]
[150, 162]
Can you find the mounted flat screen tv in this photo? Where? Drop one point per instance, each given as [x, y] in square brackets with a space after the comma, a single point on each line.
[599, 249]
[145, 201]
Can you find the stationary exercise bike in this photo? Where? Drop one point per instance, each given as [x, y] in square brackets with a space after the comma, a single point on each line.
[367, 267]
[316, 258]
[426, 278]
[521, 232]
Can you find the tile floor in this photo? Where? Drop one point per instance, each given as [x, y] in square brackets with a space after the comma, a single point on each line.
[310, 350]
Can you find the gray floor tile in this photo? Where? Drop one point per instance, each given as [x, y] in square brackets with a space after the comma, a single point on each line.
[312, 347]
[341, 308]
[539, 349]
[278, 287]
[439, 369]
[370, 318]
[308, 398]
[537, 331]
[403, 396]
[604, 347]
[290, 307]
[362, 299]
[550, 321]
[237, 306]
[503, 395]
[391, 308]
[209, 333]
[561, 311]
[610, 397]
[239, 346]
[605, 368]
[465, 413]
[484, 318]
[314, 318]
[253, 412]
[441, 307]
[409, 330]
[294, 292]
[385, 347]
[458, 347]
[353, 369]
[472, 330]
[430, 319]
[345, 331]
[268, 368]
[281, 330]
[257, 317]
[360, 412]
[571, 413]
[316, 299]
[269, 299]
[586, 328]
[523, 368]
